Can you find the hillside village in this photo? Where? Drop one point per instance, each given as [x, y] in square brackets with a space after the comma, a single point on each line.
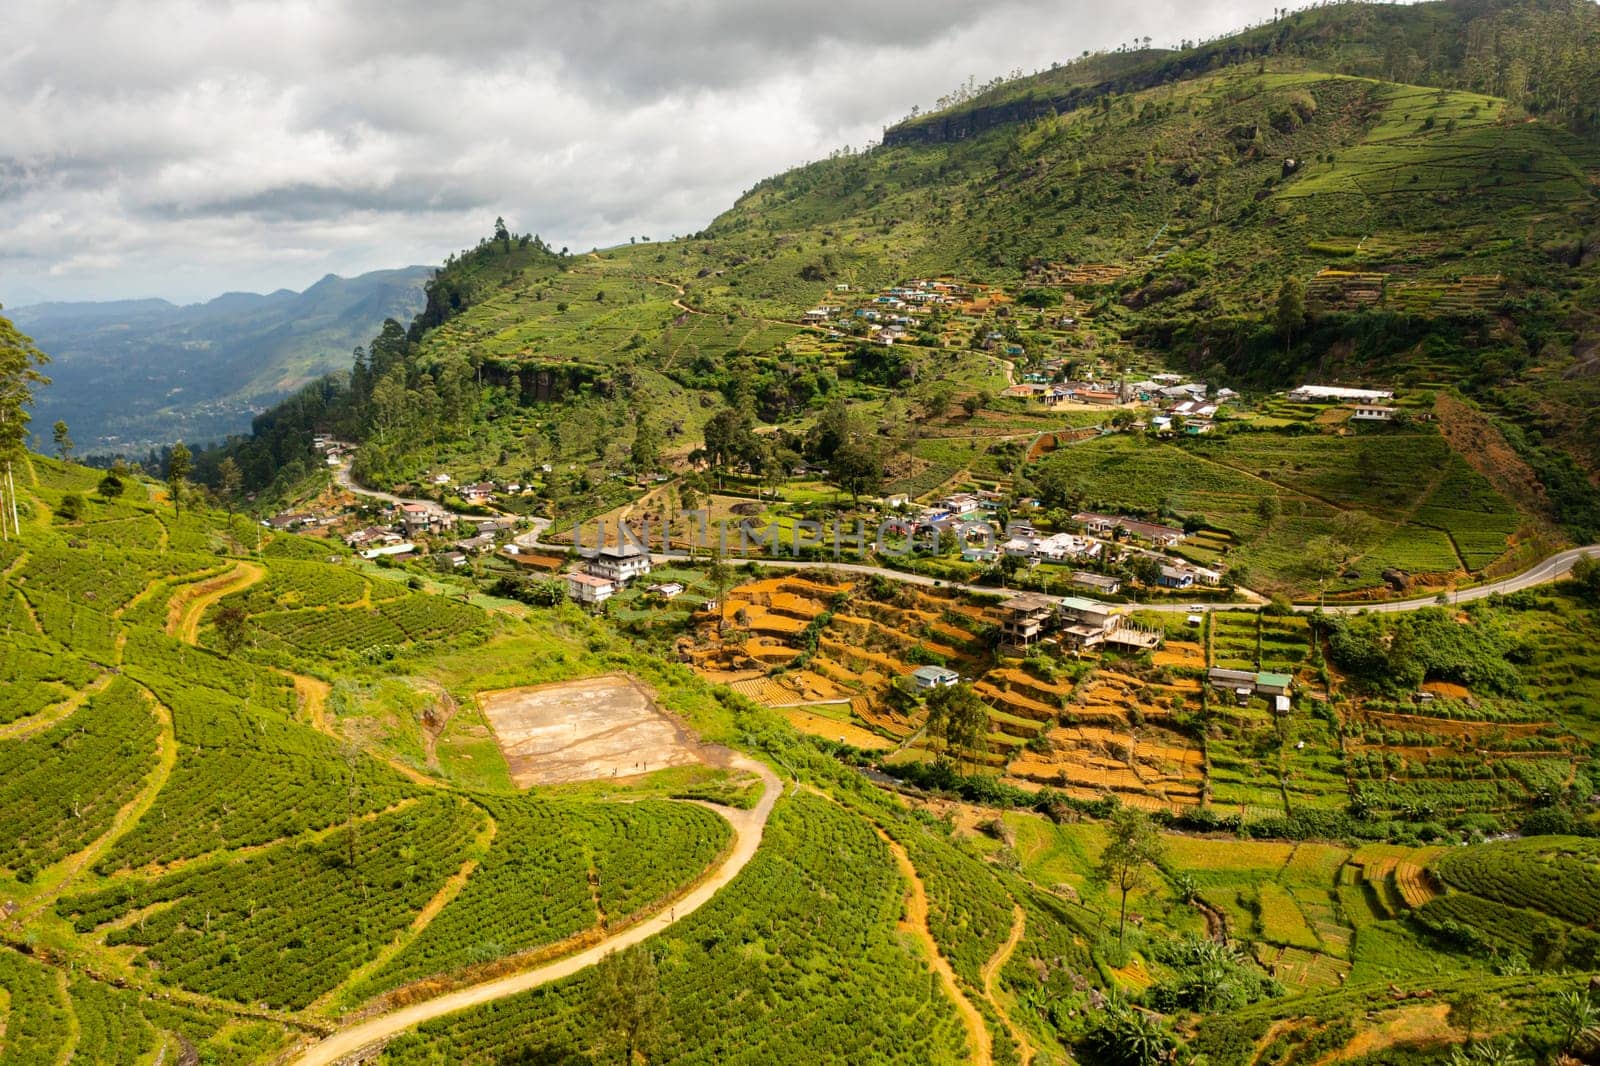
[1103, 576]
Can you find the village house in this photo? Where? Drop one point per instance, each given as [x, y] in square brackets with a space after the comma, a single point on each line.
[1198, 427]
[441, 479]
[1088, 616]
[960, 503]
[1335, 394]
[416, 517]
[1242, 683]
[1100, 524]
[482, 492]
[1101, 583]
[589, 589]
[932, 677]
[666, 589]
[1245, 683]
[620, 563]
[1088, 623]
[1179, 393]
[1270, 684]
[1193, 409]
[1099, 396]
[372, 535]
[391, 551]
[284, 521]
[1024, 619]
[476, 545]
[1161, 536]
[1054, 548]
[1372, 412]
[1060, 546]
[1175, 577]
[452, 560]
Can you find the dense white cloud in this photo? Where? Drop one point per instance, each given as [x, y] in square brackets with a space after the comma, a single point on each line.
[183, 147]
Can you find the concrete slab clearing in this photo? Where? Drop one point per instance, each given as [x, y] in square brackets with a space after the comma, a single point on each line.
[595, 728]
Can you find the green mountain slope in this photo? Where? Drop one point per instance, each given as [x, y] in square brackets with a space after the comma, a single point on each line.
[1540, 56]
[135, 374]
[1446, 240]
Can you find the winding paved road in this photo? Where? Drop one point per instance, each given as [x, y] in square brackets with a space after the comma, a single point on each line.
[346, 481]
[1551, 569]
[748, 828]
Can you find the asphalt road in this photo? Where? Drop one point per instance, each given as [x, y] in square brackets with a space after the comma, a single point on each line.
[1552, 569]
[1549, 570]
[345, 481]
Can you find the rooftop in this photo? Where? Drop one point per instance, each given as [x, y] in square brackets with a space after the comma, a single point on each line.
[1078, 603]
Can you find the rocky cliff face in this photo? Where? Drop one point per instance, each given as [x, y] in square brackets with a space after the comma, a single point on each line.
[960, 125]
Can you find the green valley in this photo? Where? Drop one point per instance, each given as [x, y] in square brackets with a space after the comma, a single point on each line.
[1105, 575]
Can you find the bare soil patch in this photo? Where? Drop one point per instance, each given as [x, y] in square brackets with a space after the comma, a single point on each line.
[597, 727]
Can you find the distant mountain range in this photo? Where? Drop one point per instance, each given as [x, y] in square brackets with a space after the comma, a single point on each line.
[127, 375]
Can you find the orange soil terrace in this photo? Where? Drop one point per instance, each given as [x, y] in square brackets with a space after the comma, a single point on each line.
[1082, 739]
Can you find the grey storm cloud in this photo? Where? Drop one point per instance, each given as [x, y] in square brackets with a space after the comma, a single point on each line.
[182, 147]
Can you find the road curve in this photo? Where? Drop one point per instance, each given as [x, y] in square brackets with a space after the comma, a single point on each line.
[1551, 569]
[348, 482]
[748, 829]
[345, 481]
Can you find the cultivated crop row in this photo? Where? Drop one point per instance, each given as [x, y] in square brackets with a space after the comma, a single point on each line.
[1554, 875]
[292, 583]
[546, 869]
[60, 789]
[246, 773]
[796, 961]
[36, 672]
[286, 925]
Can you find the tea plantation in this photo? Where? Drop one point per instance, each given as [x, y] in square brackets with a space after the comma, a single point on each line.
[259, 792]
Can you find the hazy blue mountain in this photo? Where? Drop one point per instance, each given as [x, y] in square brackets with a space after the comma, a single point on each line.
[128, 374]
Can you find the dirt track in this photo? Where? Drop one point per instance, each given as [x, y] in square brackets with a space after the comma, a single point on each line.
[916, 923]
[748, 828]
[991, 970]
[189, 606]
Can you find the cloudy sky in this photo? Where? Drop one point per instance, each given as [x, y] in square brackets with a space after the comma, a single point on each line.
[182, 149]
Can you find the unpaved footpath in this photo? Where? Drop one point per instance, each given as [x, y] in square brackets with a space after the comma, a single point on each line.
[991, 970]
[916, 923]
[189, 606]
[748, 827]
